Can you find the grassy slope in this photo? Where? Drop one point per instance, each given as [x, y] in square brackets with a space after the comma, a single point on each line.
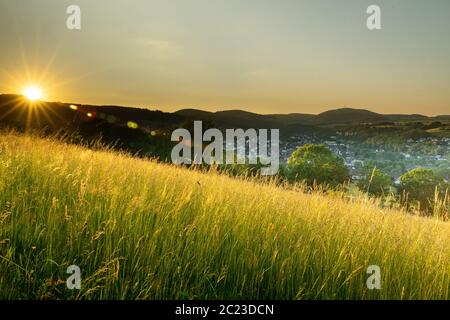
[144, 230]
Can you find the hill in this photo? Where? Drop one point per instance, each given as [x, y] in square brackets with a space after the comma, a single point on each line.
[231, 118]
[294, 118]
[16, 109]
[348, 115]
[239, 118]
[288, 124]
[138, 131]
[408, 117]
[144, 230]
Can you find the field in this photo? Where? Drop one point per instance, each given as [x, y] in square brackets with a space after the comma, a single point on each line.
[144, 230]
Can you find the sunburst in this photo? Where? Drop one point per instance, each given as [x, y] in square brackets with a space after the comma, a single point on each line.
[37, 82]
[33, 93]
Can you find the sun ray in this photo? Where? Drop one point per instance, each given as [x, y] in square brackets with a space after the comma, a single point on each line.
[18, 105]
[48, 113]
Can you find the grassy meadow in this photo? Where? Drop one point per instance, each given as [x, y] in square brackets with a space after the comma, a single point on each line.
[144, 230]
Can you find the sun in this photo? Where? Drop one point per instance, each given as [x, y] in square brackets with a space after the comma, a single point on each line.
[32, 93]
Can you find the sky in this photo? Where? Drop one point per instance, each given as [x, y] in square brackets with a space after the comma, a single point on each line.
[277, 56]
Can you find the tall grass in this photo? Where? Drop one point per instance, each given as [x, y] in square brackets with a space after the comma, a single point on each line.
[143, 230]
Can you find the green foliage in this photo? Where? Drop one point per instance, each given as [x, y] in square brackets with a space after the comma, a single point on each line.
[315, 163]
[375, 182]
[420, 186]
[443, 172]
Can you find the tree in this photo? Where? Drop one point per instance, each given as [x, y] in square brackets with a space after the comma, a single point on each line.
[375, 182]
[316, 163]
[419, 186]
[443, 172]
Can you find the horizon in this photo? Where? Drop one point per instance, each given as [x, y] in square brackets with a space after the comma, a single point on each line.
[226, 110]
[290, 57]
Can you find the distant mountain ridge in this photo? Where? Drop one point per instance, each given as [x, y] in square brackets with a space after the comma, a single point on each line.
[10, 111]
[336, 116]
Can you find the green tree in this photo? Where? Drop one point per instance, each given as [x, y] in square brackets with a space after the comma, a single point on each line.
[316, 163]
[420, 186]
[443, 172]
[375, 182]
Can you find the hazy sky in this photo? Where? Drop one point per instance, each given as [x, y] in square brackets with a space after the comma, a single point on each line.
[276, 56]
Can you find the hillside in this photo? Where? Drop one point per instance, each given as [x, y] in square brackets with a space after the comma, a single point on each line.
[138, 131]
[348, 115]
[143, 230]
[231, 118]
[16, 109]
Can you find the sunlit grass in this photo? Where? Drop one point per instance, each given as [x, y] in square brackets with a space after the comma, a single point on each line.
[143, 230]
